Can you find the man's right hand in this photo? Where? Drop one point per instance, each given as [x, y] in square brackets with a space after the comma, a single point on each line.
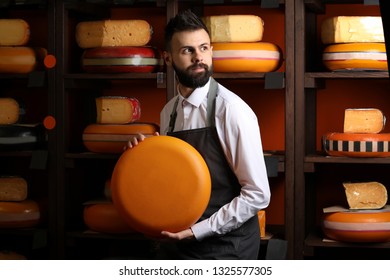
[135, 140]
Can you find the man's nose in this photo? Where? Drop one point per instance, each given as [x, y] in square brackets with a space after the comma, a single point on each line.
[198, 56]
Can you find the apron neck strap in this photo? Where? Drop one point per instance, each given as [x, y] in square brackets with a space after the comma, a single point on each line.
[210, 106]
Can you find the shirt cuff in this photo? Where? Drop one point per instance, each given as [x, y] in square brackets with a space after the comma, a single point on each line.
[201, 230]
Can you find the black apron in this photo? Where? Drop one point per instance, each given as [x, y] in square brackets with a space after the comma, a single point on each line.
[242, 243]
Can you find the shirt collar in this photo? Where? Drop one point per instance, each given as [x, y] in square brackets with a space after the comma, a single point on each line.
[197, 96]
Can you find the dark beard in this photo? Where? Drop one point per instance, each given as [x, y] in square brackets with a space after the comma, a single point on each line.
[193, 81]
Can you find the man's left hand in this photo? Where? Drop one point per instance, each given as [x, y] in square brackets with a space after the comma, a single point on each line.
[184, 234]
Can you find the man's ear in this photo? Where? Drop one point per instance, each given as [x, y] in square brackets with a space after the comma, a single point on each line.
[167, 58]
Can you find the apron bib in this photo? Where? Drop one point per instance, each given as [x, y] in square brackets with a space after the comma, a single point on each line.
[242, 243]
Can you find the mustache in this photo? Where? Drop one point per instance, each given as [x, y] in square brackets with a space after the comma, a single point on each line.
[198, 65]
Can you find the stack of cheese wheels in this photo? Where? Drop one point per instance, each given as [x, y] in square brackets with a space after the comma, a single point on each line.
[361, 137]
[368, 218]
[116, 123]
[16, 210]
[161, 184]
[15, 56]
[117, 46]
[354, 43]
[237, 46]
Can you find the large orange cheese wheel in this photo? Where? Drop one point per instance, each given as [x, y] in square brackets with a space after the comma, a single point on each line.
[161, 184]
[104, 217]
[357, 144]
[112, 138]
[355, 56]
[19, 214]
[357, 226]
[246, 57]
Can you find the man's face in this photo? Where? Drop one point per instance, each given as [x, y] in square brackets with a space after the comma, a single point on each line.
[191, 57]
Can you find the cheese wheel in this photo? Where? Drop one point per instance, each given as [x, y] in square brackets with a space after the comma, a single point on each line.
[19, 214]
[10, 255]
[161, 184]
[261, 217]
[113, 33]
[112, 138]
[357, 226]
[17, 60]
[117, 110]
[356, 57]
[122, 60]
[234, 28]
[363, 120]
[9, 110]
[104, 217]
[14, 32]
[13, 188]
[365, 195]
[357, 144]
[246, 57]
[352, 29]
[21, 136]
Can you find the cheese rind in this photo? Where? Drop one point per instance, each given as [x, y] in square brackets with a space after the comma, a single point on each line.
[19, 214]
[104, 217]
[357, 144]
[352, 29]
[13, 189]
[356, 57]
[364, 120]
[246, 57]
[365, 195]
[14, 32]
[17, 60]
[234, 28]
[113, 33]
[144, 59]
[9, 110]
[112, 138]
[357, 226]
[117, 110]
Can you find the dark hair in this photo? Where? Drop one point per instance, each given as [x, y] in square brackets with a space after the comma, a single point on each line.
[184, 21]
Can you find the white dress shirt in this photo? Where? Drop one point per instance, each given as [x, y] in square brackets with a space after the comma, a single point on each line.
[239, 133]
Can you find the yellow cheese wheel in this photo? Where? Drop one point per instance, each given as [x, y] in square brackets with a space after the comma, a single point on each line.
[365, 195]
[113, 33]
[357, 144]
[13, 188]
[161, 184]
[352, 29]
[234, 28]
[112, 138]
[17, 60]
[9, 110]
[246, 57]
[104, 217]
[117, 110]
[356, 57]
[357, 226]
[363, 120]
[14, 32]
[19, 214]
